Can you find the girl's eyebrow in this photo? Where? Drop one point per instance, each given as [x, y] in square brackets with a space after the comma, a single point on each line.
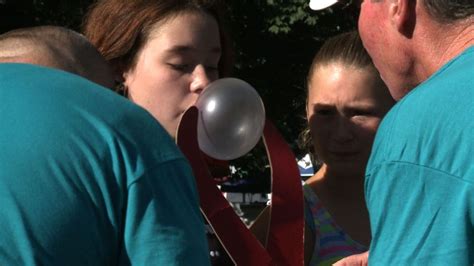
[321, 105]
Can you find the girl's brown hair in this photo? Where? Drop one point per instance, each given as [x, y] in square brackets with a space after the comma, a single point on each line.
[345, 48]
[120, 28]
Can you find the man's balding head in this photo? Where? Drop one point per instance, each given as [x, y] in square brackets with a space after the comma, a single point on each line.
[56, 47]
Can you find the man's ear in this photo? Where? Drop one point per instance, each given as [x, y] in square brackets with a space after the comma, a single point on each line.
[403, 16]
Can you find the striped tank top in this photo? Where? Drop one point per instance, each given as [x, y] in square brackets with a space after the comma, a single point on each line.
[331, 242]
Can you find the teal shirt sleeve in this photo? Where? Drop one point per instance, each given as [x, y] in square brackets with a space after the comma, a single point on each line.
[163, 225]
[416, 211]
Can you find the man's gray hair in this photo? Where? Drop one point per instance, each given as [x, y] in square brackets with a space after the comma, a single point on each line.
[447, 11]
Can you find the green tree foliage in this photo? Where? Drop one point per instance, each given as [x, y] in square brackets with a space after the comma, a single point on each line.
[27, 13]
[274, 43]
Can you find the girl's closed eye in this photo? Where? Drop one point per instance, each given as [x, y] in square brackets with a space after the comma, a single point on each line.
[179, 67]
[211, 68]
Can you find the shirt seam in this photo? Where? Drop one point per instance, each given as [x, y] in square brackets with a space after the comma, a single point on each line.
[418, 165]
[145, 172]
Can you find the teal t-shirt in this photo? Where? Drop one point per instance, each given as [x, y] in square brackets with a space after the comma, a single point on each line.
[420, 177]
[89, 178]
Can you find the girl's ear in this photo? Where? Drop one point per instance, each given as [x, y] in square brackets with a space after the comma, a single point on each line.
[119, 78]
[119, 72]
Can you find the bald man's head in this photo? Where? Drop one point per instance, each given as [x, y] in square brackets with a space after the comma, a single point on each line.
[56, 47]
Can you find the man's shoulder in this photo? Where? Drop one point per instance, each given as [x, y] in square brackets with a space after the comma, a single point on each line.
[450, 87]
[83, 108]
[453, 77]
[428, 125]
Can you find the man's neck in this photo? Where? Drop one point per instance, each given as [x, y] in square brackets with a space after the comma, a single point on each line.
[440, 44]
[463, 40]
